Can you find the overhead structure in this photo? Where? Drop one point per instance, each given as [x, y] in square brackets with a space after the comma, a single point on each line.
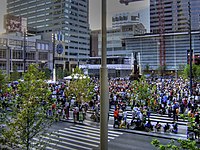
[126, 2]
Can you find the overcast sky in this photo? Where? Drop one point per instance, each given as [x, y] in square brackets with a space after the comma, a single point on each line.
[113, 7]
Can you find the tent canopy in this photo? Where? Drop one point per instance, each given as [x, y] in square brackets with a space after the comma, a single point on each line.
[76, 76]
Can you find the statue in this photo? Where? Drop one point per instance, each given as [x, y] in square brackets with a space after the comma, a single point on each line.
[135, 72]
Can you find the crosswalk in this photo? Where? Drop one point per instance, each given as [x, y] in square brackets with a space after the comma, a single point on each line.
[76, 137]
[163, 119]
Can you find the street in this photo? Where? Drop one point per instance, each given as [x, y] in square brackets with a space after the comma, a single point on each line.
[67, 136]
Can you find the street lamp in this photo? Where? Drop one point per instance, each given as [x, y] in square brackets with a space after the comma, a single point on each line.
[54, 68]
[24, 50]
[104, 92]
[190, 37]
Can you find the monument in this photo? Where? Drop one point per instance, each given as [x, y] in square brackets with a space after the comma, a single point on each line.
[135, 74]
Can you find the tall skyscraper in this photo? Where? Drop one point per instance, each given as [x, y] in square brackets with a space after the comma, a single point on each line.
[68, 20]
[173, 15]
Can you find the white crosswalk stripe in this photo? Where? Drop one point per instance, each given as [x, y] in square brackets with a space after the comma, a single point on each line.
[153, 117]
[76, 137]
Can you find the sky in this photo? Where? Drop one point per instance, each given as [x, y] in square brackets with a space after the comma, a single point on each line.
[113, 7]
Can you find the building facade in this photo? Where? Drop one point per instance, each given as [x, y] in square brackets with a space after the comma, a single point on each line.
[17, 51]
[125, 25]
[68, 20]
[173, 15]
[176, 44]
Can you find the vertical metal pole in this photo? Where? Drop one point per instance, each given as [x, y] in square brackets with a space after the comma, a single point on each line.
[104, 85]
[190, 36]
[54, 68]
[8, 61]
[24, 61]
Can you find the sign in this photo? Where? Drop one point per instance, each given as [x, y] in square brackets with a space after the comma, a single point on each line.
[59, 48]
[12, 23]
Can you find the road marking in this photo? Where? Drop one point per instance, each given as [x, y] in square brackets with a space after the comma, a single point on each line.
[76, 137]
[67, 143]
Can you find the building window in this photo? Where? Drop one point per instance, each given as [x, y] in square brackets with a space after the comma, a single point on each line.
[19, 65]
[3, 65]
[2, 53]
[43, 56]
[17, 54]
[30, 56]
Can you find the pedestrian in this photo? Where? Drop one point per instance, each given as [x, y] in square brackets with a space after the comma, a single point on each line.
[116, 115]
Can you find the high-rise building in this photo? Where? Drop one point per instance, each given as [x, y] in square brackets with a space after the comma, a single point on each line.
[173, 15]
[68, 20]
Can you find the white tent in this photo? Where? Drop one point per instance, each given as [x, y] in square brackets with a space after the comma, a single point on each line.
[76, 76]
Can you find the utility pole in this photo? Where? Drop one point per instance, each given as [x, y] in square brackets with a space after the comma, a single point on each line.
[54, 68]
[190, 37]
[104, 92]
[24, 48]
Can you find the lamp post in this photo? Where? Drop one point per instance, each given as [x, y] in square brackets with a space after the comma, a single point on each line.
[104, 97]
[8, 60]
[24, 50]
[54, 68]
[190, 37]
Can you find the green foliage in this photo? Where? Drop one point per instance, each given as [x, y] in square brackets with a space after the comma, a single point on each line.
[143, 91]
[82, 88]
[3, 82]
[77, 70]
[29, 105]
[178, 145]
[195, 71]
[15, 75]
[47, 73]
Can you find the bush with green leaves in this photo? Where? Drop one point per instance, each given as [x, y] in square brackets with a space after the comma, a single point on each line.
[176, 145]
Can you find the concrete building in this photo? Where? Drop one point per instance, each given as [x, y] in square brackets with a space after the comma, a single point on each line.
[125, 25]
[173, 15]
[125, 18]
[67, 20]
[12, 50]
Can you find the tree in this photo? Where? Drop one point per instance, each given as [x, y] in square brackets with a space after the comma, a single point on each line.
[3, 81]
[179, 145]
[147, 69]
[15, 75]
[82, 88]
[30, 104]
[195, 71]
[143, 91]
[47, 73]
[59, 73]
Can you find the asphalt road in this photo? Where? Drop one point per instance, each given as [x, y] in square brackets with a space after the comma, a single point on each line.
[126, 141]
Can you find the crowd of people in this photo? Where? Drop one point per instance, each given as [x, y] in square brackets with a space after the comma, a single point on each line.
[171, 97]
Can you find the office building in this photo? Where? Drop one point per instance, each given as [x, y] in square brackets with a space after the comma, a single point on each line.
[176, 48]
[12, 50]
[66, 19]
[173, 15]
[125, 25]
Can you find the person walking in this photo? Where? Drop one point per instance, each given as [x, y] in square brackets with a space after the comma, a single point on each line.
[116, 115]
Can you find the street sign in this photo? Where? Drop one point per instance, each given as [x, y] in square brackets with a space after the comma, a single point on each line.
[59, 48]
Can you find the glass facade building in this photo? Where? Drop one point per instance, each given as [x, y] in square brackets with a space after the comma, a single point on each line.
[176, 45]
[174, 15]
